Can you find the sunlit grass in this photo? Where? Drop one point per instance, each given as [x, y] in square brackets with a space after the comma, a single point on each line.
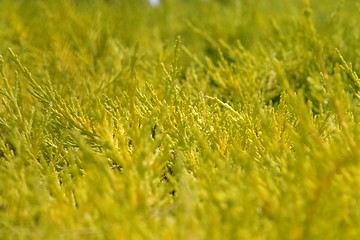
[190, 120]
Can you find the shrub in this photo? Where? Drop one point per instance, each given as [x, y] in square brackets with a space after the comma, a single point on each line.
[247, 127]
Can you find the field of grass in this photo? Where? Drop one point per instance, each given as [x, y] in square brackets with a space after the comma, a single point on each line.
[218, 119]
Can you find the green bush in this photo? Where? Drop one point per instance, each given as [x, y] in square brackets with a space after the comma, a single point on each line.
[191, 120]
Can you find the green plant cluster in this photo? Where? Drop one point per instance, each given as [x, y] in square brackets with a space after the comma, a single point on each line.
[218, 119]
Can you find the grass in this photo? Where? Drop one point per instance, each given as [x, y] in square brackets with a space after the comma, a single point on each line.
[190, 120]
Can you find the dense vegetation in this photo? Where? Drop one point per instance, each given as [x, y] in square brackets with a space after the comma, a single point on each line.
[229, 119]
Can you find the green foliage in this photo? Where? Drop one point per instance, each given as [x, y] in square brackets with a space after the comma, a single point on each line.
[247, 128]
